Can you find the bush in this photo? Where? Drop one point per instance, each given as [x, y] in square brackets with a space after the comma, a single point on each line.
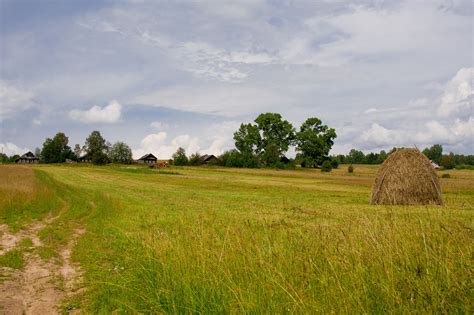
[350, 169]
[447, 161]
[334, 163]
[195, 159]
[234, 158]
[180, 158]
[446, 175]
[326, 166]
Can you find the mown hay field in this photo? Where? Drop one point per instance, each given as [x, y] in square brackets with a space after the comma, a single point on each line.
[213, 240]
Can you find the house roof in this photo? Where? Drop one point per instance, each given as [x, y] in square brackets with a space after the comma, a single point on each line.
[28, 156]
[148, 156]
[207, 157]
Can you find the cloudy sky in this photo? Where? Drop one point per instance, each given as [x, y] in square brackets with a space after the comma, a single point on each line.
[164, 74]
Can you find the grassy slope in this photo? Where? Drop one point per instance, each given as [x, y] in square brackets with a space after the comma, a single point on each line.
[220, 240]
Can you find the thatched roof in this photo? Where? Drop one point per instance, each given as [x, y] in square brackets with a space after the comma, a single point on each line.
[406, 178]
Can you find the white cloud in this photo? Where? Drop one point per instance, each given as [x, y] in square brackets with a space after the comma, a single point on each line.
[36, 122]
[159, 125]
[221, 136]
[156, 143]
[96, 114]
[13, 99]
[11, 149]
[458, 95]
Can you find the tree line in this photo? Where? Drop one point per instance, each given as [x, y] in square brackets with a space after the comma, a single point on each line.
[95, 149]
[434, 153]
[262, 143]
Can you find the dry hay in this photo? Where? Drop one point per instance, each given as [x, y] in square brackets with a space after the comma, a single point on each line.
[406, 178]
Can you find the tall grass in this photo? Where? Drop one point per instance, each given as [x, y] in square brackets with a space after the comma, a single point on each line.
[24, 197]
[262, 241]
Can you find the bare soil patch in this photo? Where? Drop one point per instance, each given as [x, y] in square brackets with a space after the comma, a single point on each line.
[42, 285]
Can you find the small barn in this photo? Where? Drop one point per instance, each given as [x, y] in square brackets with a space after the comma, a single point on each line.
[147, 159]
[208, 159]
[27, 158]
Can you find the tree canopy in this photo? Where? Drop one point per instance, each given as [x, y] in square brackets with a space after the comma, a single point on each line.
[179, 157]
[268, 139]
[56, 150]
[314, 141]
[96, 148]
[121, 153]
[434, 153]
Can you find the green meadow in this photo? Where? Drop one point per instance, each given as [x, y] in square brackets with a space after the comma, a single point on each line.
[215, 240]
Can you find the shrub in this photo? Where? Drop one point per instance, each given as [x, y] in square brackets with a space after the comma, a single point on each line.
[326, 166]
[234, 158]
[447, 161]
[334, 163]
[195, 159]
[350, 169]
[180, 158]
[446, 175]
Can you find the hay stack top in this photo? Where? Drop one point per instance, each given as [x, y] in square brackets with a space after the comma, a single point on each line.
[407, 178]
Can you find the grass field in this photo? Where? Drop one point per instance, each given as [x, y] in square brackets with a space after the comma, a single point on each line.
[205, 240]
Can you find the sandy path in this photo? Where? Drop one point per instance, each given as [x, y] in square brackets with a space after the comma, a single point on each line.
[42, 285]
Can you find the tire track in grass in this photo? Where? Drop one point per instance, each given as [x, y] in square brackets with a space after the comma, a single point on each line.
[41, 285]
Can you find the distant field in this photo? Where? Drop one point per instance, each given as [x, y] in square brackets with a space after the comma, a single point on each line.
[214, 240]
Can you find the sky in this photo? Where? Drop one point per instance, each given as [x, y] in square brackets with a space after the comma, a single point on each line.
[164, 74]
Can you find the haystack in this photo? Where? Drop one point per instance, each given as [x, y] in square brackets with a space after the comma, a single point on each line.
[406, 178]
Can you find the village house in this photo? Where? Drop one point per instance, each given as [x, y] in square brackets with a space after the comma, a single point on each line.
[208, 159]
[27, 158]
[147, 159]
[85, 158]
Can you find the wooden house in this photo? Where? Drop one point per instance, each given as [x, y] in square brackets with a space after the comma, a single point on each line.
[147, 159]
[85, 158]
[208, 159]
[27, 158]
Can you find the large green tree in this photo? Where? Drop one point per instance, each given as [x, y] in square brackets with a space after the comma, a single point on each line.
[96, 148]
[120, 152]
[56, 150]
[179, 157]
[434, 153]
[314, 141]
[269, 138]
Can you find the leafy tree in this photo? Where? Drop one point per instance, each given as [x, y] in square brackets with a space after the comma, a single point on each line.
[276, 134]
[235, 158]
[13, 158]
[120, 152]
[382, 157]
[356, 157]
[56, 150]
[4, 158]
[314, 141]
[96, 148]
[180, 158]
[326, 166]
[434, 153]
[77, 151]
[195, 159]
[447, 161]
[269, 138]
[248, 139]
[371, 158]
